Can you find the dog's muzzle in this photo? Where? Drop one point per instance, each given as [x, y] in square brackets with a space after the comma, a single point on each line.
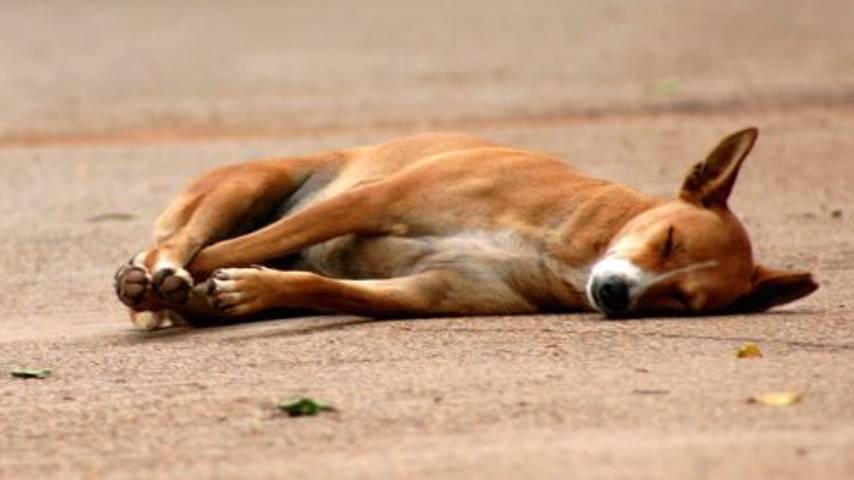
[611, 294]
[614, 285]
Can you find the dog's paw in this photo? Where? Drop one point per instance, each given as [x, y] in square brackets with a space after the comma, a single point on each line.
[237, 291]
[132, 282]
[150, 320]
[146, 320]
[172, 284]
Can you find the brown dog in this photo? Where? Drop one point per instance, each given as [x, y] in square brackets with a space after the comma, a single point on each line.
[449, 224]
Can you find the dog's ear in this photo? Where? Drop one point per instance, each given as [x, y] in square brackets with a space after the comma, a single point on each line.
[710, 182]
[771, 287]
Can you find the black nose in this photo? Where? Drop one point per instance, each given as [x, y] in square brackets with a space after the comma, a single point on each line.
[612, 294]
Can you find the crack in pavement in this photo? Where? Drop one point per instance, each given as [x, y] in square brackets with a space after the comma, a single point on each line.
[276, 128]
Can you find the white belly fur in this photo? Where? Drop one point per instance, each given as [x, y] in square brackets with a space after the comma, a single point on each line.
[499, 258]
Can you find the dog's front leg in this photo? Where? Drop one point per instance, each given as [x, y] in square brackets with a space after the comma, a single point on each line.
[244, 291]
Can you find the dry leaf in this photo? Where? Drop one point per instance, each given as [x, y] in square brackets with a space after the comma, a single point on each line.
[112, 217]
[776, 399]
[748, 350]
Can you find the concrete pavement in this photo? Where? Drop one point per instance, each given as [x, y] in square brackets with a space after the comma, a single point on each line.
[109, 109]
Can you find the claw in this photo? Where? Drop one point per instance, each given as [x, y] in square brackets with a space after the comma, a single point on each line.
[161, 275]
[229, 291]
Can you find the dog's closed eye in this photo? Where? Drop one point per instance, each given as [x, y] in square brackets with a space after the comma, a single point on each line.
[669, 243]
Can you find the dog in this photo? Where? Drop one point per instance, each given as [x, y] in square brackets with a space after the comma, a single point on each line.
[449, 224]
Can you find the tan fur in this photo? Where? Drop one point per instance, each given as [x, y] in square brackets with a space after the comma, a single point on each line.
[434, 224]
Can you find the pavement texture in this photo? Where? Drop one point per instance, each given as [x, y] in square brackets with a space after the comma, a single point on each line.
[110, 107]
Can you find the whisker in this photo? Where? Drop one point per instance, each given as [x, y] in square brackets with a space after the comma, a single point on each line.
[679, 271]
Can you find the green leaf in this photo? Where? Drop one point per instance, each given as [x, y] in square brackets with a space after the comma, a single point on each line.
[31, 373]
[300, 407]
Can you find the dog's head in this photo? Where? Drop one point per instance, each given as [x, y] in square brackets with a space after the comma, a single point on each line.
[691, 255]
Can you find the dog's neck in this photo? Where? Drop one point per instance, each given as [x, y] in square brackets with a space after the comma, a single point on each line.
[593, 218]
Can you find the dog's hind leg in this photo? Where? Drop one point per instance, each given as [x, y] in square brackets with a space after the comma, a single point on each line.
[365, 210]
[210, 209]
[213, 207]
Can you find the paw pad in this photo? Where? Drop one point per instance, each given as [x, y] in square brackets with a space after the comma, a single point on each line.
[132, 284]
[173, 285]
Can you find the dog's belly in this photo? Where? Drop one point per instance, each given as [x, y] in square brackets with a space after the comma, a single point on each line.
[356, 257]
[483, 258]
